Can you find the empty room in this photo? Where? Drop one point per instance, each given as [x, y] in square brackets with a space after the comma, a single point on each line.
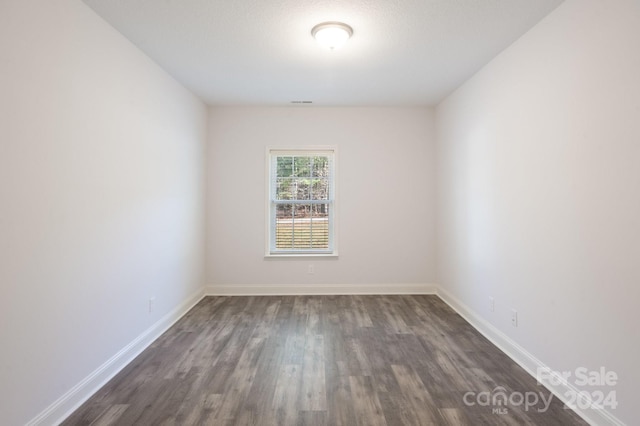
[358, 212]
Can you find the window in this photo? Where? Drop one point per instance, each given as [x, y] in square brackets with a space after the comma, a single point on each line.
[301, 197]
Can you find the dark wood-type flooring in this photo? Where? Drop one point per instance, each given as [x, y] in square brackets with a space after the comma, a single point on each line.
[319, 360]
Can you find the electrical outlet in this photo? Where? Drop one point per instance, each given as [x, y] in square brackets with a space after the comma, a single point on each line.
[310, 270]
[492, 304]
[152, 302]
[514, 318]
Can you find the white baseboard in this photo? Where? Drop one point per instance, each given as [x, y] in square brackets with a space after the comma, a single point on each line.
[71, 400]
[593, 415]
[76, 396]
[317, 289]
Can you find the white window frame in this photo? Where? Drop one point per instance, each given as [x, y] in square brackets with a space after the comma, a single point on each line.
[270, 250]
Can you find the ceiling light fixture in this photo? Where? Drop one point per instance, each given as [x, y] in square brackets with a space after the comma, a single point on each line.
[332, 35]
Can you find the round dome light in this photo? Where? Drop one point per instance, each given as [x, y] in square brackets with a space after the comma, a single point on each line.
[332, 35]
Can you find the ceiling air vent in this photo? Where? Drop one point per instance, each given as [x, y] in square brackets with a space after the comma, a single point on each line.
[301, 102]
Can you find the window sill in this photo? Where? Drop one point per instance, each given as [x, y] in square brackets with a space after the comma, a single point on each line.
[299, 255]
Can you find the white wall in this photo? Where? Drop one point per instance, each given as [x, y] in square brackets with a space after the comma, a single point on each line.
[538, 191]
[385, 190]
[102, 198]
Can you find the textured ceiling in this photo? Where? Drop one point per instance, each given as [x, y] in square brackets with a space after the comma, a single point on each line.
[260, 52]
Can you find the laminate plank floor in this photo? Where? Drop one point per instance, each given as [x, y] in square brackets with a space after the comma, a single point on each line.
[321, 360]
